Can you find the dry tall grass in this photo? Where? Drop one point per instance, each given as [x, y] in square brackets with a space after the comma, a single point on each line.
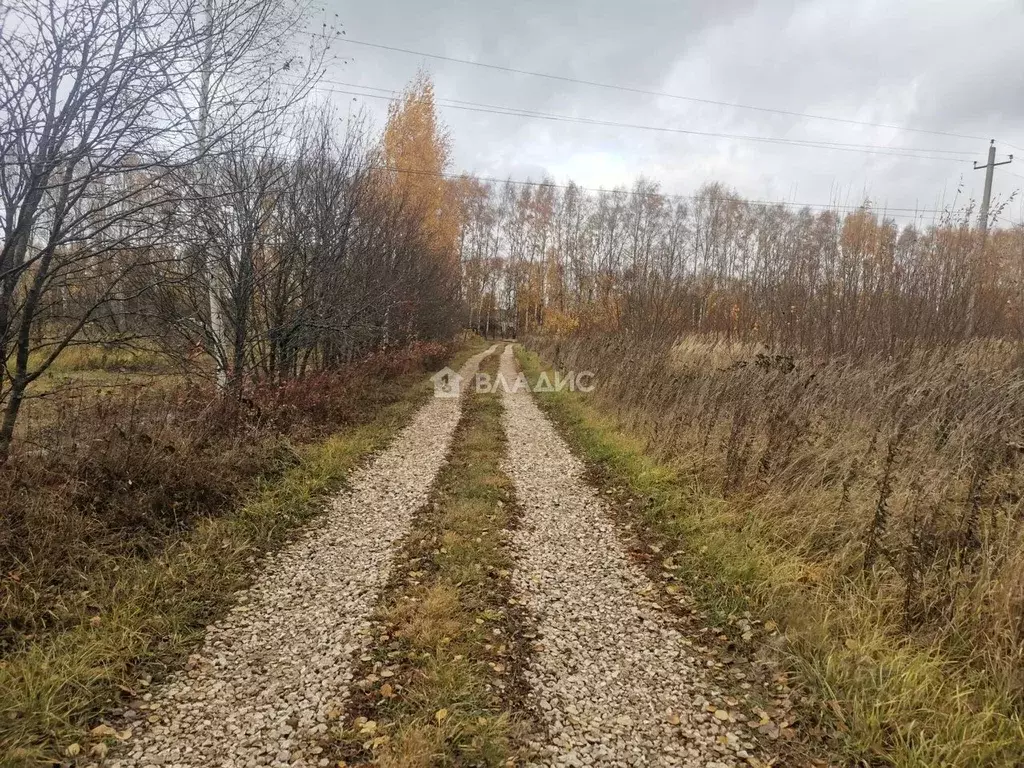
[887, 491]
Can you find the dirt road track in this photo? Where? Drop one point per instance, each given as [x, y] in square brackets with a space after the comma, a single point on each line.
[612, 679]
[274, 672]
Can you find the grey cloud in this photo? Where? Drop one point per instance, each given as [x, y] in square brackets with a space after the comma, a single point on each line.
[952, 66]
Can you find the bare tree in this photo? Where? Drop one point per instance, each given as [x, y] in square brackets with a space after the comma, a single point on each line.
[250, 78]
[90, 143]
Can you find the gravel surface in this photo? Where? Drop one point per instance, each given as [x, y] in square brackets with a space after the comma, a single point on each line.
[274, 672]
[611, 678]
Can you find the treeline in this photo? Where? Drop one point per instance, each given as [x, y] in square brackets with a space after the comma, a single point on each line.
[545, 257]
[168, 183]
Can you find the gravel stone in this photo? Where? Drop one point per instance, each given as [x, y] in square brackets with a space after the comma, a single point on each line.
[278, 667]
[612, 680]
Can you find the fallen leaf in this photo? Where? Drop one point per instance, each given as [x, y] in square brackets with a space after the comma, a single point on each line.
[440, 715]
[369, 727]
[103, 731]
[387, 691]
[721, 714]
[73, 749]
[99, 750]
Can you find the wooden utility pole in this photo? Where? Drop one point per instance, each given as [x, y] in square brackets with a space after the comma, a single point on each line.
[987, 197]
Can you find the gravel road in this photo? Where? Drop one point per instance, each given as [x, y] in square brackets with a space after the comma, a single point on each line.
[274, 672]
[611, 679]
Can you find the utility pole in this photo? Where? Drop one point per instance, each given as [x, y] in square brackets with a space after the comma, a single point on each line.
[987, 197]
[212, 271]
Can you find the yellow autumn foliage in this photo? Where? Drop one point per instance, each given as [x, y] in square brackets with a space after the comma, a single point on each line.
[417, 153]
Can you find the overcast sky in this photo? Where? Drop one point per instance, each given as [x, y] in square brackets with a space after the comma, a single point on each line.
[941, 65]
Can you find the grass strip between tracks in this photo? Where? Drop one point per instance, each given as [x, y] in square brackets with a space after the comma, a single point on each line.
[443, 681]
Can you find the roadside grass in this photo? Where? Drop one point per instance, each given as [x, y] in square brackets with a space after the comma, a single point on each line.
[112, 358]
[440, 684]
[891, 700]
[138, 616]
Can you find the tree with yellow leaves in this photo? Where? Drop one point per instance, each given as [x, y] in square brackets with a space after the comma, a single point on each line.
[417, 154]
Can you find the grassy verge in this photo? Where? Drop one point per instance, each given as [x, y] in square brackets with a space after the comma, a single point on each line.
[891, 700]
[437, 688]
[141, 615]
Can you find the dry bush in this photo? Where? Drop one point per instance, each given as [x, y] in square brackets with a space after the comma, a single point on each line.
[120, 474]
[316, 403]
[902, 476]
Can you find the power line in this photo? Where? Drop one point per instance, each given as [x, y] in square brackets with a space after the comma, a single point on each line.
[665, 129]
[672, 196]
[896, 212]
[645, 92]
[534, 113]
